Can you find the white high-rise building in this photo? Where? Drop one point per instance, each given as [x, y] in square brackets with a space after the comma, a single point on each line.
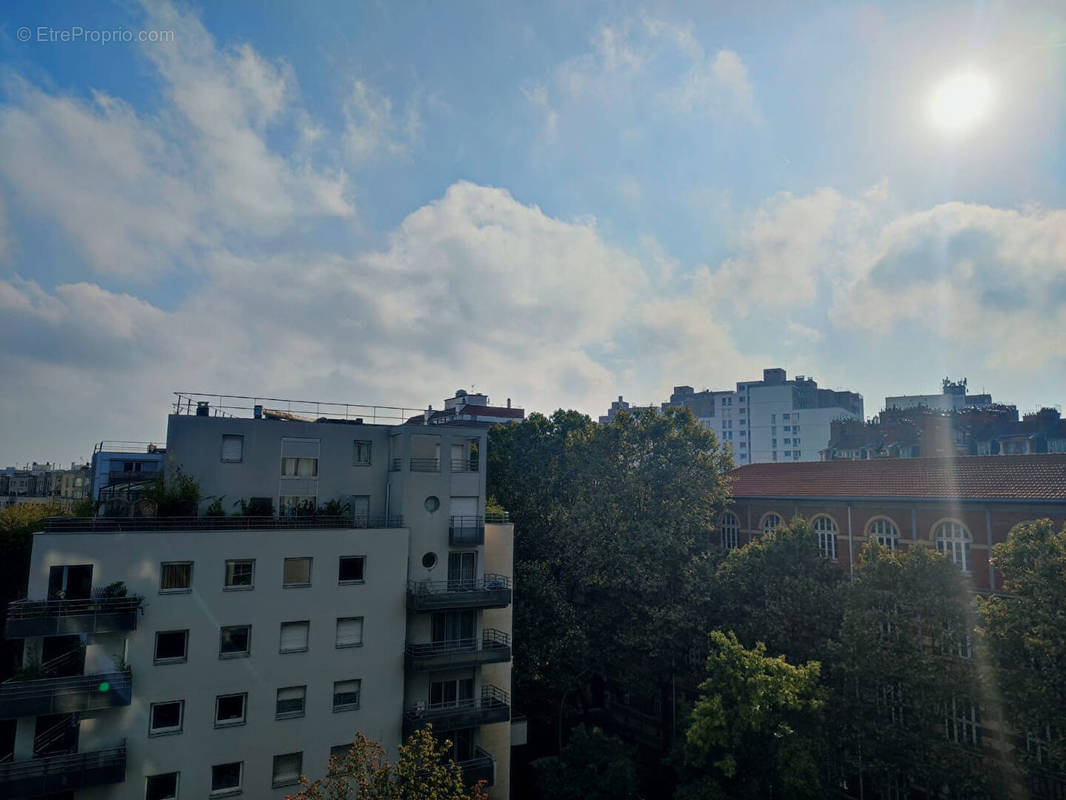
[774, 419]
[361, 588]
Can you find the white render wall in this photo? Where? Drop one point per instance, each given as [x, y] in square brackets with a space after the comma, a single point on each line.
[378, 663]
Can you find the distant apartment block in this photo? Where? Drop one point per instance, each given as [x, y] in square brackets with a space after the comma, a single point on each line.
[774, 419]
[120, 473]
[471, 409]
[360, 587]
[620, 405]
[44, 483]
[953, 397]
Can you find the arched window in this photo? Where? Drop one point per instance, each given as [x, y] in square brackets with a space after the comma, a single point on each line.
[729, 527]
[953, 540]
[771, 522]
[884, 531]
[827, 536]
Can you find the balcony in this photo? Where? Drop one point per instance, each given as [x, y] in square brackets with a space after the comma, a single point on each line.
[465, 464]
[137, 524]
[493, 706]
[65, 695]
[67, 617]
[495, 648]
[425, 465]
[119, 477]
[482, 767]
[492, 591]
[62, 773]
[466, 531]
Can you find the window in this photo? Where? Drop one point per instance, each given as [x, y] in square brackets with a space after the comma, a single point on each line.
[953, 540]
[299, 467]
[232, 449]
[226, 779]
[161, 787]
[171, 646]
[827, 536]
[729, 526]
[451, 693]
[175, 576]
[961, 722]
[339, 751]
[240, 573]
[883, 531]
[165, 718]
[235, 641]
[361, 453]
[229, 709]
[785, 417]
[287, 769]
[770, 523]
[349, 631]
[788, 454]
[297, 572]
[294, 636]
[351, 569]
[346, 695]
[290, 703]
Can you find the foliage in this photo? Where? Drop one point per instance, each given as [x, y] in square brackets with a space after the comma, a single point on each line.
[27, 517]
[781, 591]
[423, 772]
[608, 520]
[592, 766]
[214, 508]
[905, 656]
[174, 494]
[756, 728]
[255, 507]
[116, 589]
[335, 508]
[85, 507]
[1026, 630]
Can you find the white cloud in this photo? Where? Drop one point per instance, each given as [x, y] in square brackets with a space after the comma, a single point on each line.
[373, 130]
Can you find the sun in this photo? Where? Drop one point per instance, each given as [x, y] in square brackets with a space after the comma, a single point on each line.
[960, 102]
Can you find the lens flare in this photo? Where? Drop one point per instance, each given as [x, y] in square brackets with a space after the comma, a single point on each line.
[960, 102]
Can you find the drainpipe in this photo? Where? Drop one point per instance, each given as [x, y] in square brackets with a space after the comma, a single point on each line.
[851, 546]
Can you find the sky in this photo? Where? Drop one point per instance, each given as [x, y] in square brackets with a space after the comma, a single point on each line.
[556, 203]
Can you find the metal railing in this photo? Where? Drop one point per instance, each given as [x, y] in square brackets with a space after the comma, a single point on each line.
[465, 465]
[466, 531]
[65, 695]
[129, 447]
[490, 638]
[39, 776]
[69, 617]
[111, 524]
[491, 582]
[239, 405]
[121, 476]
[425, 465]
[492, 698]
[35, 609]
[480, 767]
[497, 517]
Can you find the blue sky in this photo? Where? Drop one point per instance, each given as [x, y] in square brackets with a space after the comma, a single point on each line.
[557, 203]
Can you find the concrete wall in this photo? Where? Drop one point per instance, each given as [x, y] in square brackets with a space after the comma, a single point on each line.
[135, 558]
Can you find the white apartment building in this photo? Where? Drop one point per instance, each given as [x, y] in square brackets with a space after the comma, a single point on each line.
[224, 656]
[774, 419]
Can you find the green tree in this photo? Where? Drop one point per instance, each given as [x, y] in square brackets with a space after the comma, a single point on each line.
[422, 772]
[907, 691]
[592, 766]
[781, 591]
[756, 729]
[174, 494]
[1026, 634]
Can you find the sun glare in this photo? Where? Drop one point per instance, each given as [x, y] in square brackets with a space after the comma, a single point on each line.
[960, 102]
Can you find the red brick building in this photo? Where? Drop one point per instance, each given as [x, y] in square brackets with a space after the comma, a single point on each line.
[962, 505]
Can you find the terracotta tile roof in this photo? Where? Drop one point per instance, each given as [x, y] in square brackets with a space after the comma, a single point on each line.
[1028, 477]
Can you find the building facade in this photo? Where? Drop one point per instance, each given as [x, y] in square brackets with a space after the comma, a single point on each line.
[360, 588]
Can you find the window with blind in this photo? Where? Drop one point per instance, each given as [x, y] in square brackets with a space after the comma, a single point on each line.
[175, 576]
[346, 695]
[297, 572]
[290, 702]
[287, 768]
[232, 449]
[349, 631]
[294, 636]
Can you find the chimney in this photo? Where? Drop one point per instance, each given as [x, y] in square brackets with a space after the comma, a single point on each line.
[508, 402]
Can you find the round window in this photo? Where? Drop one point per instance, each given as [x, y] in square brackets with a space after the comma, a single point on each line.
[429, 560]
[432, 504]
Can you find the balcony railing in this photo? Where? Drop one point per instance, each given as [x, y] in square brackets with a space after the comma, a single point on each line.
[62, 773]
[491, 591]
[114, 524]
[493, 647]
[64, 695]
[493, 706]
[66, 617]
[465, 465]
[425, 465]
[482, 767]
[466, 531]
[116, 477]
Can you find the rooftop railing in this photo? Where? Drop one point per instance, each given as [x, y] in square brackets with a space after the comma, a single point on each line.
[238, 405]
[129, 447]
[62, 773]
[114, 524]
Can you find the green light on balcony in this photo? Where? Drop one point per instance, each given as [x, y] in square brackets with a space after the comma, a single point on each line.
[104, 686]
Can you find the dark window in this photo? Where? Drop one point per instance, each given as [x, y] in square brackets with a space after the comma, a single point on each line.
[235, 641]
[226, 778]
[351, 568]
[362, 452]
[166, 717]
[161, 787]
[229, 709]
[240, 573]
[176, 576]
[287, 769]
[171, 645]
